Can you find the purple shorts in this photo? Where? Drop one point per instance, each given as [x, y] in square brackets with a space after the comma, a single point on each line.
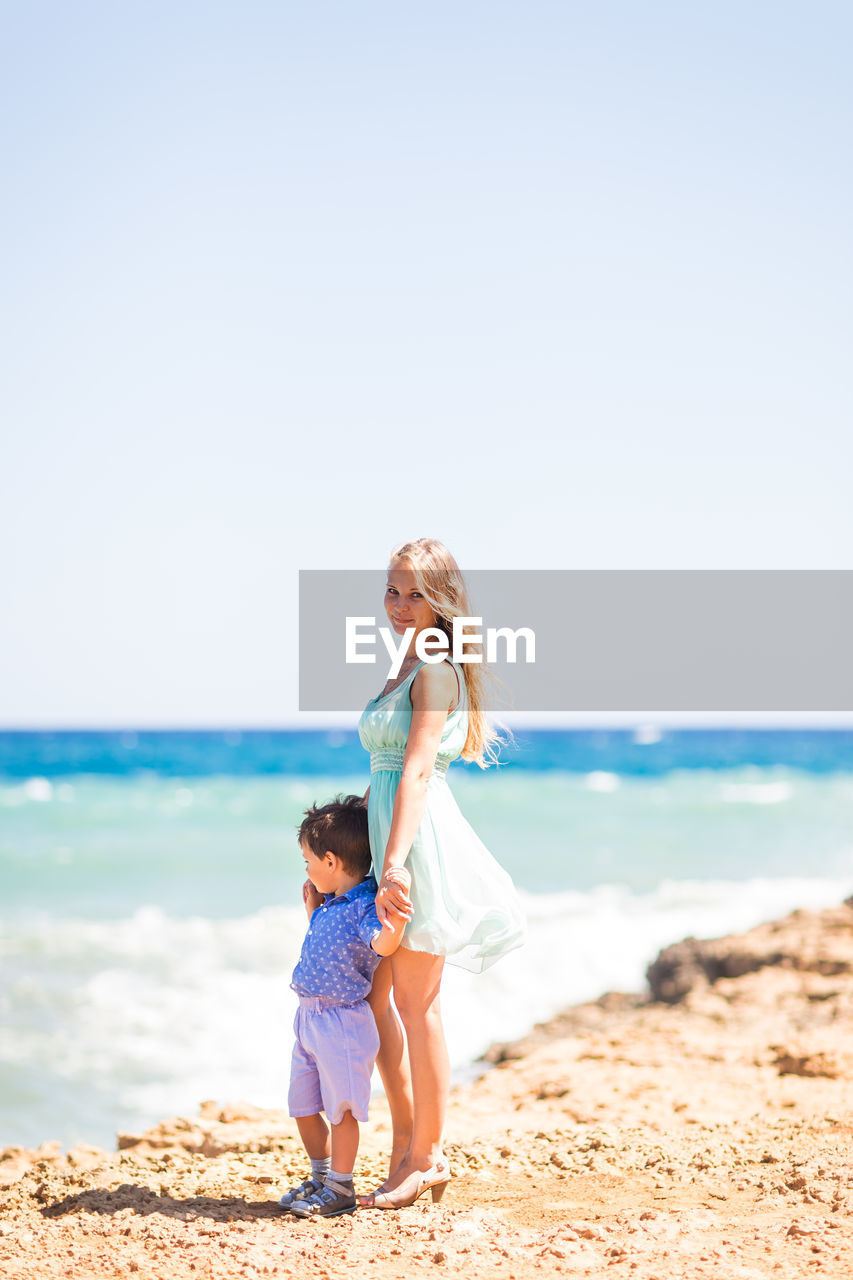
[336, 1047]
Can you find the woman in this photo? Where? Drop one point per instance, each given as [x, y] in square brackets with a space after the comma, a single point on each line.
[430, 865]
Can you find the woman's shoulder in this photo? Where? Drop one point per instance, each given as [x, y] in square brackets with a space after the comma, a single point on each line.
[436, 686]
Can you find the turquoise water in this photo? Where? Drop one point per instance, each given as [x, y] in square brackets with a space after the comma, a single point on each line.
[150, 911]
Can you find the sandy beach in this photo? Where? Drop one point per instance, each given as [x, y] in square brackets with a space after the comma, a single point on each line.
[700, 1132]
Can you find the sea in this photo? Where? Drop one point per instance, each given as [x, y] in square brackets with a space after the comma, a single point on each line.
[150, 906]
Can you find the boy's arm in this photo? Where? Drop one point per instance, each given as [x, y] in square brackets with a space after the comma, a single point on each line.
[311, 897]
[389, 937]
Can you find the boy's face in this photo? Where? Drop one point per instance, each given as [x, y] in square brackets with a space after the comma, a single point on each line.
[322, 872]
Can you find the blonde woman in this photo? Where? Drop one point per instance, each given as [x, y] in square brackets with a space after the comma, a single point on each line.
[430, 865]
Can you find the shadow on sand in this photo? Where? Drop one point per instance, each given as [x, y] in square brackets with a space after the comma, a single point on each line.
[143, 1200]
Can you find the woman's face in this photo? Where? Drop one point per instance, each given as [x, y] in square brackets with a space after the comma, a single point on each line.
[405, 605]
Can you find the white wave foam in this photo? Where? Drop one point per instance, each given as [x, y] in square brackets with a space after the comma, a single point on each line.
[157, 1013]
[599, 780]
[39, 790]
[755, 792]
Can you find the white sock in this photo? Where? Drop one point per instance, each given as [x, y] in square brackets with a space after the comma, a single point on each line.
[320, 1168]
[334, 1176]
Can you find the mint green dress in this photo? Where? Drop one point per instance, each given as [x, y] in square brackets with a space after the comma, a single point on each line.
[465, 905]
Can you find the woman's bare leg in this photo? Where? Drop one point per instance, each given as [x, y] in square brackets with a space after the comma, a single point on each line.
[393, 1063]
[417, 980]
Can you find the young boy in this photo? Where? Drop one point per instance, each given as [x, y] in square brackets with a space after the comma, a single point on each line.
[336, 1037]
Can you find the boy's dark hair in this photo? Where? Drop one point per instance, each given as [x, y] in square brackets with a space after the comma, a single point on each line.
[342, 828]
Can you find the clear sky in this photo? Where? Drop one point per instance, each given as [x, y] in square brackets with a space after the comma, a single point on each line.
[567, 285]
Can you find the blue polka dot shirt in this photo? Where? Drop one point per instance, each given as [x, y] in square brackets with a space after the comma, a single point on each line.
[337, 960]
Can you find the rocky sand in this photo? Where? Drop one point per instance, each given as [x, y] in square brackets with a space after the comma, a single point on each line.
[700, 1131]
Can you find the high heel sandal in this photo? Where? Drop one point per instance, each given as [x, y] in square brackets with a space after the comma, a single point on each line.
[411, 1188]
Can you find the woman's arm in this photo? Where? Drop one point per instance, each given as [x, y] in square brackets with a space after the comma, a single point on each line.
[434, 691]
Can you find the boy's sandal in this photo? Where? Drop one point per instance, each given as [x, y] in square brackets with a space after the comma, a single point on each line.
[328, 1202]
[304, 1191]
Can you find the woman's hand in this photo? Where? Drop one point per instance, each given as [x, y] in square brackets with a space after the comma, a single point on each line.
[393, 897]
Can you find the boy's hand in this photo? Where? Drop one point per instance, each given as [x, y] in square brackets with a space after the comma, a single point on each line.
[390, 935]
[311, 897]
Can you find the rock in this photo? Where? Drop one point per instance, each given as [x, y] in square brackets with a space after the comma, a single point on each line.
[805, 1227]
[498, 1053]
[805, 941]
[238, 1112]
[83, 1156]
[680, 968]
[808, 1064]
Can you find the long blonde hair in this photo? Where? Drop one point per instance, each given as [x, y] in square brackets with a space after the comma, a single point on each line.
[439, 579]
